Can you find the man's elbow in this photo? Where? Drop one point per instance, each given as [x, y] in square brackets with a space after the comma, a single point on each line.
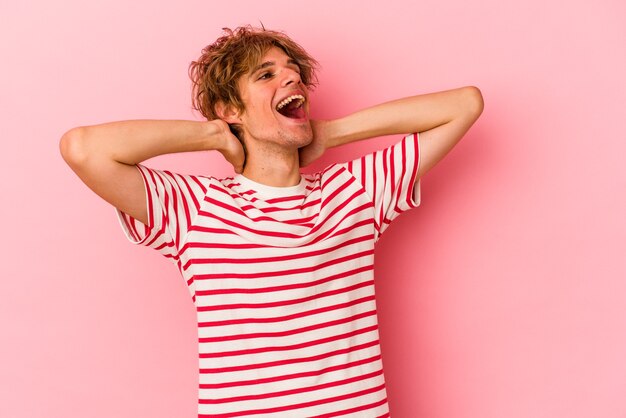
[475, 99]
[71, 147]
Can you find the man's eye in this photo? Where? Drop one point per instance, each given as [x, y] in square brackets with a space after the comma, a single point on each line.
[265, 74]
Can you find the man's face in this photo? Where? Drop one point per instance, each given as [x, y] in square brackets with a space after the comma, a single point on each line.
[275, 78]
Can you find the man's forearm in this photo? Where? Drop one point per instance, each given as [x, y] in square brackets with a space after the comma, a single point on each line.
[133, 141]
[411, 114]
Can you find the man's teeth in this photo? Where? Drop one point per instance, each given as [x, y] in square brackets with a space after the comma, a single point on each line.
[288, 100]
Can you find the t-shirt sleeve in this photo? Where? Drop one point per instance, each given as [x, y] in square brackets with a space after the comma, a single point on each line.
[388, 177]
[172, 203]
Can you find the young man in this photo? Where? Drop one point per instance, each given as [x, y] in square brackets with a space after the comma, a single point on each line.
[278, 264]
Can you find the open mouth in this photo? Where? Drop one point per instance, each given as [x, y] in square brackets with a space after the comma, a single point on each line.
[292, 107]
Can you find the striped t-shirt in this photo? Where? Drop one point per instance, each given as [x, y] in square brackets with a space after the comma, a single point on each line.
[282, 279]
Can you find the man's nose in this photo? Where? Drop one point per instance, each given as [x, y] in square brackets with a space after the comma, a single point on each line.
[290, 77]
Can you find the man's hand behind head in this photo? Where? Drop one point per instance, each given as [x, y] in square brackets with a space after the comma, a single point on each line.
[230, 146]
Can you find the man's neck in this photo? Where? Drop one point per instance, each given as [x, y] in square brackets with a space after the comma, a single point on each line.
[273, 169]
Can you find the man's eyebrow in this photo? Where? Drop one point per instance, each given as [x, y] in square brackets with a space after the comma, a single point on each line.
[269, 64]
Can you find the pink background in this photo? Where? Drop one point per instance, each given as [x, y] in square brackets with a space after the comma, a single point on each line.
[502, 295]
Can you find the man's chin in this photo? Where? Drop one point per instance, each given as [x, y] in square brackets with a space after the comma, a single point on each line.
[304, 138]
[307, 134]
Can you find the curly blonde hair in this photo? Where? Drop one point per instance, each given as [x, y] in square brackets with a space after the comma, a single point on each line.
[216, 73]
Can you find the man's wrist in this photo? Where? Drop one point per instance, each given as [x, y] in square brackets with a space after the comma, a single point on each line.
[214, 134]
[335, 133]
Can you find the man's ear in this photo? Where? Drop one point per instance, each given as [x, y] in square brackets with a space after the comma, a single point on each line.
[227, 113]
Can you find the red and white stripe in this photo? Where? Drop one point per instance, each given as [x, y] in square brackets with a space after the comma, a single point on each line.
[282, 280]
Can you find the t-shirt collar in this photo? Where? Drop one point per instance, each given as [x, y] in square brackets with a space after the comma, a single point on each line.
[271, 191]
